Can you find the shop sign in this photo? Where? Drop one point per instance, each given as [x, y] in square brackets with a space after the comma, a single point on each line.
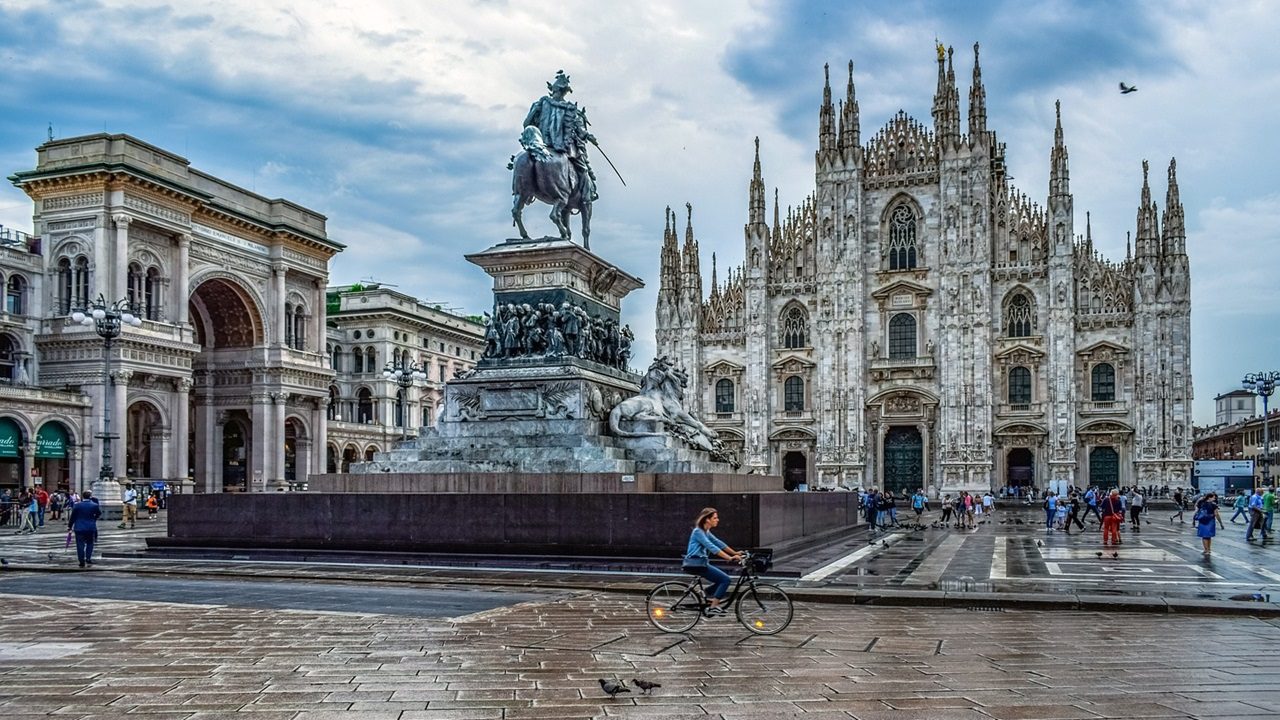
[51, 441]
[9, 439]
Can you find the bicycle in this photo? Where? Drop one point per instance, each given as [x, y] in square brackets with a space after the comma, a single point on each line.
[763, 608]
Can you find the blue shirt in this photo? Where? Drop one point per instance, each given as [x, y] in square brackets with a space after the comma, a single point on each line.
[701, 545]
[84, 516]
[1255, 502]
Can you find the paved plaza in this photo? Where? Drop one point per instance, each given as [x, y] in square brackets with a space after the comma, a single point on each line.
[542, 658]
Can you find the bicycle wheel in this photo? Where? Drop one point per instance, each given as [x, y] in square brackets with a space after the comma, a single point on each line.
[673, 606]
[764, 609]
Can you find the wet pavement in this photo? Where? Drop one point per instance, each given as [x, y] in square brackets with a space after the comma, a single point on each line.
[116, 658]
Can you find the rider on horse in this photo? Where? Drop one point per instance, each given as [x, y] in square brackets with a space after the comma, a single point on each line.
[564, 130]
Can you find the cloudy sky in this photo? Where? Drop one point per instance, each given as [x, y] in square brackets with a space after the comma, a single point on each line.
[396, 119]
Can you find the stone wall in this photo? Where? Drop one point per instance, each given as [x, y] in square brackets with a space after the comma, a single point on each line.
[581, 524]
[480, 482]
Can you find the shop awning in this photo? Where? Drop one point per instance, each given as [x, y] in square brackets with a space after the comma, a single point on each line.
[10, 438]
[51, 441]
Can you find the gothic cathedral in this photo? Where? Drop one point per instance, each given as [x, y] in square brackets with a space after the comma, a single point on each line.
[919, 323]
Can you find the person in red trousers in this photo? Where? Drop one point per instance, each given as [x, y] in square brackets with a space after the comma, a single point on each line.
[1112, 517]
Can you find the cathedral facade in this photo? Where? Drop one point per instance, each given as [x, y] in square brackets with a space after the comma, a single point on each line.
[917, 322]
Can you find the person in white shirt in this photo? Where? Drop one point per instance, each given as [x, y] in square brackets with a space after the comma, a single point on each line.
[130, 500]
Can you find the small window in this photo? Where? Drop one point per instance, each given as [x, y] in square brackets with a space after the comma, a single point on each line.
[356, 335]
[724, 396]
[1104, 383]
[793, 394]
[902, 337]
[1020, 386]
[15, 295]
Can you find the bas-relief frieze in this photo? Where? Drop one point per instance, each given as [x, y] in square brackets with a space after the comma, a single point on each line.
[307, 260]
[227, 261]
[73, 201]
[64, 226]
[157, 210]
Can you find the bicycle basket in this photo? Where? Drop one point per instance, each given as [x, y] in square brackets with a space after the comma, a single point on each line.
[761, 559]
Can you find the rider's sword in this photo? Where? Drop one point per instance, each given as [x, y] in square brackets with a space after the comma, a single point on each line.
[606, 159]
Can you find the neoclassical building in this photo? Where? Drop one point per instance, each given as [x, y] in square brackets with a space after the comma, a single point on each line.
[224, 385]
[917, 321]
[370, 326]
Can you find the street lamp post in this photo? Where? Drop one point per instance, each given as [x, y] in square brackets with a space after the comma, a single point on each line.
[1263, 383]
[106, 319]
[405, 375]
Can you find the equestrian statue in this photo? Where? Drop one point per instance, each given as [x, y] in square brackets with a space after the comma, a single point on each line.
[554, 166]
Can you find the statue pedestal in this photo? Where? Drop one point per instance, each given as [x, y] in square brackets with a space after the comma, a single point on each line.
[551, 270]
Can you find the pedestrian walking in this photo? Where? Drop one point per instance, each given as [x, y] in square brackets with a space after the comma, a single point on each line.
[919, 503]
[871, 506]
[130, 506]
[1241, 506]
[83, 521]
[889, 505]
[27, 501]
[968, 511]
[1256, 520]
[1207, 520]
[947, 508]
[1091, 504]
[152, 506]
[1268, 508]
[1177, 501]
[1135, 510]
[1112, 517]
[989, 505]
[1050, 509]
[42, 504]
[1073, 513]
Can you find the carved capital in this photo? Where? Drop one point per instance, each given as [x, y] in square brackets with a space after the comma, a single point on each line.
[121, 377]
[183, 384]
[184, 239]
[121, 220]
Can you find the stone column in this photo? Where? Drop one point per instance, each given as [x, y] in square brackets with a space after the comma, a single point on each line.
[275, 478]
[120, 267]
[181, 413]
[320, 421]
[119, 413]
[302, 460]
[75, 459]
[277, 302]
[101, 272]
[28, 464]
[183, 293]
[263, 439]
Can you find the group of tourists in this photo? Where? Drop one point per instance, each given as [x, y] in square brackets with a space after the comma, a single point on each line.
[1258, 508]
[1107, 509]
[964, 511]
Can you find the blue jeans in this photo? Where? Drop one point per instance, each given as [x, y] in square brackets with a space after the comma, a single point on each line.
[1267, 517]
[1048, 517]
[84, 545]
[718, 578]
[1240, 511]
[40, 515]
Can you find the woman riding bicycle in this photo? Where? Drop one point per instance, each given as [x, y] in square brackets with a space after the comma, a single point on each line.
[702, 545]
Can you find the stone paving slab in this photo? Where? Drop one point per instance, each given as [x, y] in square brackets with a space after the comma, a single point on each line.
[194, 662]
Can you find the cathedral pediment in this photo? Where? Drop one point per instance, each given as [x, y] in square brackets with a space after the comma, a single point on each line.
[724, 367]
[1103, 350]
[1105, 426]
[793, 364]
[1021, 428]
[1020, 354]
[793, 433]
[903, 287]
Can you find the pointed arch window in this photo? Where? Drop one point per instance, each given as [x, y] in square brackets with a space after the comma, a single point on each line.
[1103, 385]
[902, 337]
[902, 238]
[793, 394]
[724, 395]
[795, 328]
[1020, 386]
[1019, 316]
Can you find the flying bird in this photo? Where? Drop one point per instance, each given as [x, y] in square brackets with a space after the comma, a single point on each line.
[1126, 89]
[645, 685]
[613, 688]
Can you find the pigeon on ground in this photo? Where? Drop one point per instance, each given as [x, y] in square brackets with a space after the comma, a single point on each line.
[645, 686]
[613, 688]
[1099, 553]
[1115, 554]
[1126, 89]
[1039, 543]
[4, 562]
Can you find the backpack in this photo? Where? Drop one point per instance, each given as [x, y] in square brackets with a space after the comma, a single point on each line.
[1046, 503]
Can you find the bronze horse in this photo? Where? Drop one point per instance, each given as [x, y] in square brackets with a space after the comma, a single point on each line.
[540, 173]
